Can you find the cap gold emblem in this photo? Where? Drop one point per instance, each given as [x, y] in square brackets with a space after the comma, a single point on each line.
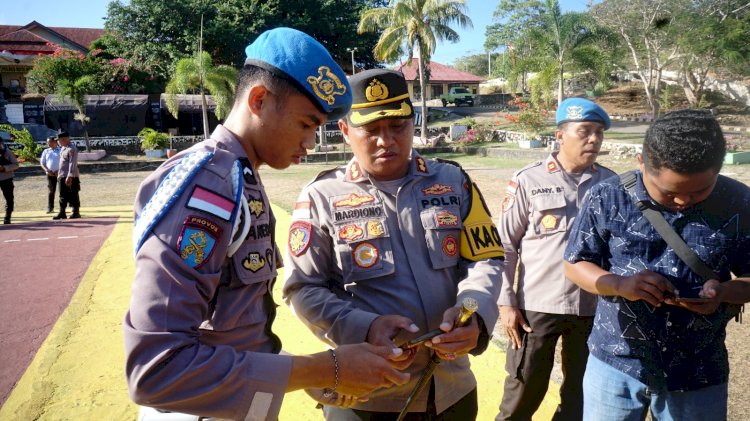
[549, 222]
[376, 91]
[326, 85]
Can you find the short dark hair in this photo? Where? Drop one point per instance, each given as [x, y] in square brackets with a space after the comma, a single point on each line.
[249, 75]
[685, 141]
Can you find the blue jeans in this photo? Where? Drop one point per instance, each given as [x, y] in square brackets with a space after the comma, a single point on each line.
[609, 394]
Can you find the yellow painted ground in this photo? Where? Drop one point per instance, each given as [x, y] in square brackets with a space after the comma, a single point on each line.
[77, 373]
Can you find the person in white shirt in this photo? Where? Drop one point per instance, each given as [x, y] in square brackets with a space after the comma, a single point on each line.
[50, 162]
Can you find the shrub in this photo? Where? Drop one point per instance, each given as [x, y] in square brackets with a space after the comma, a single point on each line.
[152, 140]
[530, 119]
[30, 150]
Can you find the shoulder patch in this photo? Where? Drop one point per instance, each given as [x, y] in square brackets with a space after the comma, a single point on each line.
[197, 240]
[300, 234]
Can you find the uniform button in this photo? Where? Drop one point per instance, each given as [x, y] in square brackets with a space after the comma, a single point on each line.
[674, 270]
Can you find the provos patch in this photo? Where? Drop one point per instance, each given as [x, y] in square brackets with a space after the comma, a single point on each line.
[207, 201]
[197, 240]
[300, 234]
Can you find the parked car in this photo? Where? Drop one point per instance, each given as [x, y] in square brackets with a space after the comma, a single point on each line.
[458, 95]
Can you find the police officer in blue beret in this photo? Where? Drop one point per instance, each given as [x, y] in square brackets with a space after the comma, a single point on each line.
[198, 331]
[540, 205]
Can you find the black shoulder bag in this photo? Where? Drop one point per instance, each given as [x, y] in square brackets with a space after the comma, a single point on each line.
[683, 251]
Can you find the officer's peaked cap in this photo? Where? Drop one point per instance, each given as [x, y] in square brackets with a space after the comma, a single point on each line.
[379, 94]
[581, 109]
[303, 62]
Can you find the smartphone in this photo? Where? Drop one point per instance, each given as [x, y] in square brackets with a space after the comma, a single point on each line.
[691, 300]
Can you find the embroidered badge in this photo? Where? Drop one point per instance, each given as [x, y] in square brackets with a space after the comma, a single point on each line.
[301, 210]
[300, 234]
[375, 229]
[210, 202]
[549, 222]
[353, 200]
[197, 240]
[421, 165]
[354, 171]
[508, 201]
[365, 255]
[437, 189]
[512, 187]
[376, 90]
[551, 166]
[255, 204]
[253, 262]
[450, 245]
[446, 219]
[326, 85]
[247, 171]
[351, 232]
[574, 112]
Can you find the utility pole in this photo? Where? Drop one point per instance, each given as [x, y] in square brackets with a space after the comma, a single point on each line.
[489, 65]
[352, 50]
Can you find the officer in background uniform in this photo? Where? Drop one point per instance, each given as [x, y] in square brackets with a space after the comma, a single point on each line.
[539, 207]
[8, 166]
[50, 163]
[384, 248]
[198, 332]
[68, 181]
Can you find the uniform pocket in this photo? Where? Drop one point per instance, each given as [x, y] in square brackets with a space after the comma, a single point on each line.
[442, 227]
[365, 259]
[549, 214]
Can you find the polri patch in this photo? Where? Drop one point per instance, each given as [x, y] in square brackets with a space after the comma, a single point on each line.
[207, 201]
[300, 234]
[366, 255]
[197, 240]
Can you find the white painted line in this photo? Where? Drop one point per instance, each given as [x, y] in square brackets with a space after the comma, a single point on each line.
[12, 241]
[37, 239]
[68, 237]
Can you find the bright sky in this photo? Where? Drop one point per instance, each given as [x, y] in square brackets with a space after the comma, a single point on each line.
[90, 14]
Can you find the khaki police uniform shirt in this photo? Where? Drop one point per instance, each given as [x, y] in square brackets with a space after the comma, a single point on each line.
[197, 334]
[540, 205]
[68, 162]
[356, 252]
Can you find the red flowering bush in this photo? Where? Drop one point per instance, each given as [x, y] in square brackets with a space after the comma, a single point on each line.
[530, 119]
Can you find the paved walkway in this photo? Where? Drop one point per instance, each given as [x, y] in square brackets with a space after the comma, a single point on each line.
[77, 373]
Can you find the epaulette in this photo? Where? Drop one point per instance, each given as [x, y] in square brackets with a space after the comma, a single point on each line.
[170, 189]
[527, 167]
[448, 161]
[326, 172]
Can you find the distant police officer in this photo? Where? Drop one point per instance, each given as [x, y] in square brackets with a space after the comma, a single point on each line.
[50, 163]
[384, 248]
[8, 166]
[538, 210]
[68, 181]
[198, 332]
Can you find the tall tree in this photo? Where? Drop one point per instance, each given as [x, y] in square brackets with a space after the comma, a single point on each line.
[414, 25]
[198, 74]
[76, 90]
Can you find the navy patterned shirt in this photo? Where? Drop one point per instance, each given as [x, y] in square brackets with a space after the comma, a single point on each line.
[667, 346]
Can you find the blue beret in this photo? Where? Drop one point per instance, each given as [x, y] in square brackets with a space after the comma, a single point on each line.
[580, 109]
[303, 62]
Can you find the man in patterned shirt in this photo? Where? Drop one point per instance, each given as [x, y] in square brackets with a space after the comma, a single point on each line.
[655, 344]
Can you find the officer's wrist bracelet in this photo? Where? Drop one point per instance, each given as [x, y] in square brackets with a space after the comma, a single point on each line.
[328, 392]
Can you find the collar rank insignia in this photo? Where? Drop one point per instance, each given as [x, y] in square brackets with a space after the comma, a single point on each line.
[366, 255]
[375, 228]
[574, 112]
[353, 200]
[197, 240]
[253, 262]
[354, 171]
[549, 222]
[450, 245]
[326, 85]
[421, 164]
[247, 172]
[551, 166]
[351, 232]
[437, 189]
[256, 205]
[300, 234]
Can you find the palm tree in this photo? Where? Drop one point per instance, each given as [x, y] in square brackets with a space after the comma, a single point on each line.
[77, 90]
[560, 35]
[199, 74]
[414, 25]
